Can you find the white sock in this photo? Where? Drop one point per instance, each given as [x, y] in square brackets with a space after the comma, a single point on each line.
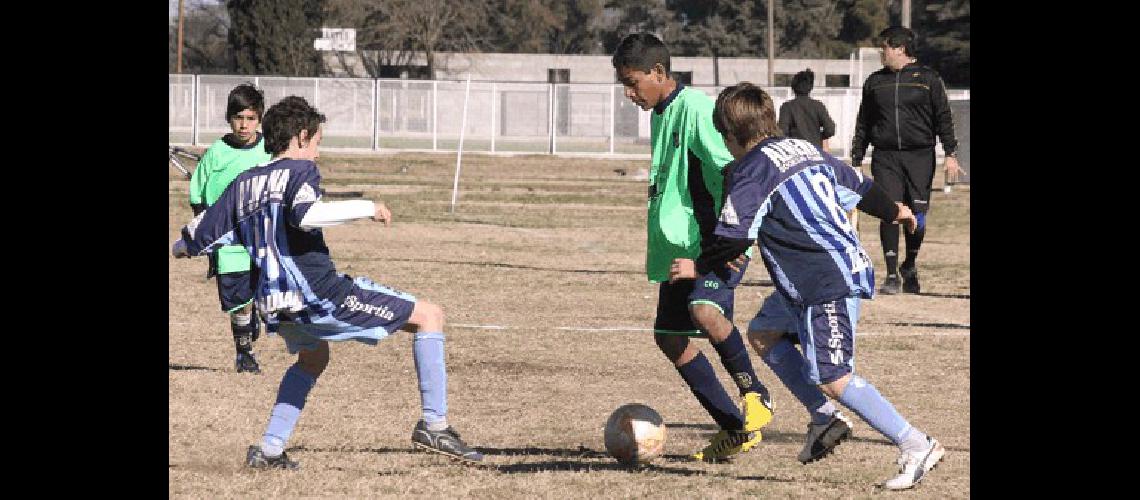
[914, 442]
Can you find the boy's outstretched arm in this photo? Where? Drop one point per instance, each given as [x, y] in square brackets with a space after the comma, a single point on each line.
[325, 214]
[878, 203]
[722, 252]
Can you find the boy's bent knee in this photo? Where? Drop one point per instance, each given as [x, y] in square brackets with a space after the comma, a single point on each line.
[427, 317]
[705, 315]
[835, 388]
[314, 362]
[764, 340]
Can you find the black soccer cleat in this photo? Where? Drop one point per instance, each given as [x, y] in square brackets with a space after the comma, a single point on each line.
[822, 439]
[910, 279]
[254, 458]
[245, 362]
[445, 442]
[891, 285]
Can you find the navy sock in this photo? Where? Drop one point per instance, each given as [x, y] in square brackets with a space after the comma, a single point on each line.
[734, 357]
[702, 380]
[788, 364]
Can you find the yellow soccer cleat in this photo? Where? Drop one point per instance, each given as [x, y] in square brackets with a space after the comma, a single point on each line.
[757, 412]
[726, 444]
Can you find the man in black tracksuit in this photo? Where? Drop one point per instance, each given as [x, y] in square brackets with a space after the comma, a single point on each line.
[904, 109]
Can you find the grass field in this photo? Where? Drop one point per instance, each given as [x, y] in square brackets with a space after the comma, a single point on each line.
[542, 253]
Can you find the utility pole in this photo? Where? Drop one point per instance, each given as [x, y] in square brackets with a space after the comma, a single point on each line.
[179, 63]
[906, 13]
[771, 42]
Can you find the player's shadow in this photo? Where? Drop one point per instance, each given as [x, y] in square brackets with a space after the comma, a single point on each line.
[178, 367]
[945, 295]
[570, 465]
[774, 436]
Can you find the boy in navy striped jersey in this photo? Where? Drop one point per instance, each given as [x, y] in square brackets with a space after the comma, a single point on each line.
[792, 198]
[275, 212]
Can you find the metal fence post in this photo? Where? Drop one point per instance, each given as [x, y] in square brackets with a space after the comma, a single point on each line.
[613, 119]
[194, 111]
[494, 109]
[550, 115]
[434, 115]
[375, 115]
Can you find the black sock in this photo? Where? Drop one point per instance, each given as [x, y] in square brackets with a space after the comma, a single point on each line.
[702, 380]
[243, 333]
[889, 237]
[734, 357]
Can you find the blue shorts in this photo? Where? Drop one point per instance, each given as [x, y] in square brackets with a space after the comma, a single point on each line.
[826, 332]
[673, 300]
[234, 290]
[369, 313]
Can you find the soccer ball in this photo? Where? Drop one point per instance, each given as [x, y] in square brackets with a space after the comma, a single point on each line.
[635, 433]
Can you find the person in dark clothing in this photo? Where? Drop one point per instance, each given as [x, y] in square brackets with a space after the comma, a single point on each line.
[803, 117]
[903, 111]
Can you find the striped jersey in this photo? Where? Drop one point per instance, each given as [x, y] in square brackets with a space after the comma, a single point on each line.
[293, 277]
[793, 198]
[219, 165]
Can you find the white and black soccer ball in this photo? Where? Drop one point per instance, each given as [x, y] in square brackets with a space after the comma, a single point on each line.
[635, 434]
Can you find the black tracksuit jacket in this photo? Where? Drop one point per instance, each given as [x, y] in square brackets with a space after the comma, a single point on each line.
[903, 111]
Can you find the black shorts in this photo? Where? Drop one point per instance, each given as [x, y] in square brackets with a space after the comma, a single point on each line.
[234, 290]
[907, 176]
[673, 300]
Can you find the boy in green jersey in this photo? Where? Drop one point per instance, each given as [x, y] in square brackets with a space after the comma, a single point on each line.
[227, 157]
[685, 196]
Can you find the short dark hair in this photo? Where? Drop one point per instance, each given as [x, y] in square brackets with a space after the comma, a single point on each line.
[745, 112]
[803, 82]
[286, 119]
[641, 51]
[900, 36]
[243, 97]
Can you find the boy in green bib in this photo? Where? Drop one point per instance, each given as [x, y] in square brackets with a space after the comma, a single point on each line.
[227, 157]
[686, 183]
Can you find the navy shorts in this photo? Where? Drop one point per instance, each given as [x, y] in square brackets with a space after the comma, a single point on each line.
[234, 290]
[826, 332]
[369, 313]
[673, 300]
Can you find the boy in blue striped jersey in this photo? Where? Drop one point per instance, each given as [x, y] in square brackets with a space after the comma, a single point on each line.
[792, 198]
[275, 212]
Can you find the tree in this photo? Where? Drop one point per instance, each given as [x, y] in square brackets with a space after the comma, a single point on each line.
[863, 20]
[944, 35]
[205, 26]
[397, 30]
[275, 38]
[809, 29]
[622, 17]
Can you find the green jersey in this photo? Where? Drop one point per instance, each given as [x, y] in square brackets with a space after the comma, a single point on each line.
[685, 179]
[218, 167]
